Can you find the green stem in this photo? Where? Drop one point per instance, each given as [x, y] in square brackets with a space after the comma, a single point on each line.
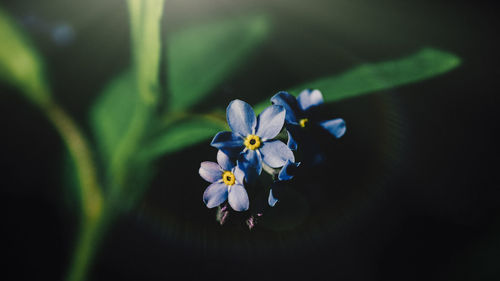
[90, 191]
[79, 150]
[90, 236]
[145, 20]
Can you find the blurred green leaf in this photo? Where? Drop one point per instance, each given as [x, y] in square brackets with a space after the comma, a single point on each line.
[355, 82]
[112, 113]
[201, 57]
[145, 18]
[111, 118]
[20, 63]
[368, 78]
[132, 121]
[183, 134]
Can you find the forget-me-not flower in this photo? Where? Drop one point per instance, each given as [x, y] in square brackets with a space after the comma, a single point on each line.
[251, 138]
[286, 173]
[299, 114]
[227, 183]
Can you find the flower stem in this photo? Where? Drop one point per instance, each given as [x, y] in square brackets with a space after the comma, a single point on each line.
[90, 191]
[91, 232]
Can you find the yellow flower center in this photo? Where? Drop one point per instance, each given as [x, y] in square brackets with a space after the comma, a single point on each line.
[303, 122]
[228, 178]
[252, 142]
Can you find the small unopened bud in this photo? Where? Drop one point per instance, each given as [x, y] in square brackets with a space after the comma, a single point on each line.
[222, 213]
[252, 221]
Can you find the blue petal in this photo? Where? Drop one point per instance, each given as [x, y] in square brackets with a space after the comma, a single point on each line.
[227, 140]
[287, 172]
[251, 165]
[238, 198]
[241, 118]
[270, 122]
[292, 144]
[232, 152]
[336, 127]
[309, 98]
[271, 200]
[224, 161]
[210, 171]
[275, 153]
[290, 104]
[215, 194]
[239, 175]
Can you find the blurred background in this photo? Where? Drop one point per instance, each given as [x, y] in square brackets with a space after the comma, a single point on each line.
[410, 192]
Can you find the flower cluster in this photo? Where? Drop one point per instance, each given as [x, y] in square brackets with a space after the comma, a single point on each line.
[255, 143]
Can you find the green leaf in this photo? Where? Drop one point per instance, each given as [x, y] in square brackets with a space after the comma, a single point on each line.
[111, 115]
[145, 21]
[145, 18]
[201, 57]
[111, 118]
[20, 63]
[369, 78]
[183, 134]
[355, 82]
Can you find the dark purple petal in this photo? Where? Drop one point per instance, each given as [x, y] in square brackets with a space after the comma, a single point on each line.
[275, 153]
[215, 194]
[224, 161]
[288, 171]
[270, 122]
[290, 104]
[271, 200]
[309, 98]
[336, 127]
[241, 118]
[210, 171]
[251, 165]
[238, 198]
[227, 140]
[292, 144]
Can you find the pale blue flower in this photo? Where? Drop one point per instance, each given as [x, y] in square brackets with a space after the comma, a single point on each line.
[226, 183]
[251, 140]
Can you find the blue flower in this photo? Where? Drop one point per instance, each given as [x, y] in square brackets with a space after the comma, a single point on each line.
[251, 138]
[286, 173]
[227, 183]
[299, 114]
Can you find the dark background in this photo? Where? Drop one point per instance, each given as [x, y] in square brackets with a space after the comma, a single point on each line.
[410, 192]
